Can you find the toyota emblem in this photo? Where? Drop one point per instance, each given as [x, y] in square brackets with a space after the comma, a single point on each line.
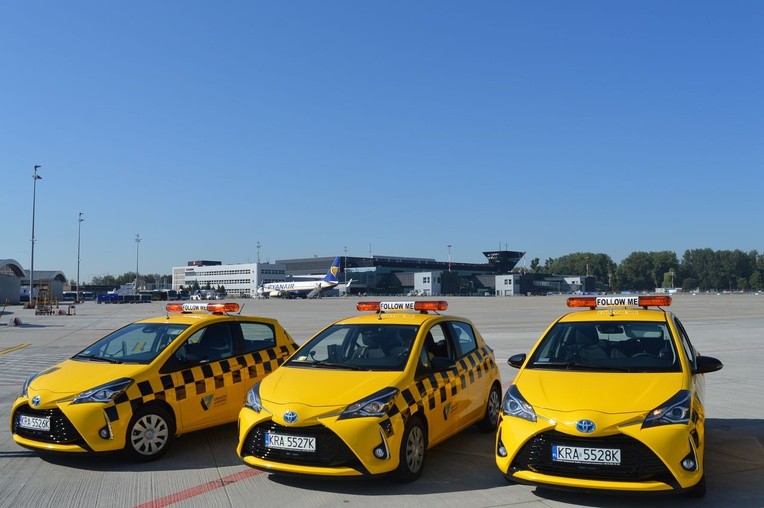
[36, 400]
[290, 417]
[585, 426]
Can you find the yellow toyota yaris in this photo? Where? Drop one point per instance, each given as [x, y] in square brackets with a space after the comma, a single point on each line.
[140, 386]
[610, 398]
[368, 395]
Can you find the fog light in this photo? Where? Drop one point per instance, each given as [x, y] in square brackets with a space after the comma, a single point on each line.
[689, 464]
[379, 452]
[502, 451]
[104, 433]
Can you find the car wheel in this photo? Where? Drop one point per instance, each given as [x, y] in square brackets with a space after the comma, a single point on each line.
[412, 453]
[699, 490]
[491, 418]
[150, 433]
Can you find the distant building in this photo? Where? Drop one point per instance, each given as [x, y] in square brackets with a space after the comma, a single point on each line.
[397, 275]
[11, 273]
[52, 281]
[239, 280]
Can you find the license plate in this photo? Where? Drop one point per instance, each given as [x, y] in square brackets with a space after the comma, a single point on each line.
[581, 455]
[283, 442]
[34, 423]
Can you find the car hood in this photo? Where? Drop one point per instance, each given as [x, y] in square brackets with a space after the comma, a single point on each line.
[321, 387]
[612, 393]
[71, 377]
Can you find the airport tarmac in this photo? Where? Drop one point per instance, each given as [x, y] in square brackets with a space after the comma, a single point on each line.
[203, 470]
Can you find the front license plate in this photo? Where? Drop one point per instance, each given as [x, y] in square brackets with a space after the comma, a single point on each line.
[610, 456]
[283, 442]
[34, 423]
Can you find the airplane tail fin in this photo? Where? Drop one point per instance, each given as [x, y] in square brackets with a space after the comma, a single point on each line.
[331, 275]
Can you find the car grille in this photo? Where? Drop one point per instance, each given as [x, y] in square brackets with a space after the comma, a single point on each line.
[61, 429]
[638, 462]
[331, 451]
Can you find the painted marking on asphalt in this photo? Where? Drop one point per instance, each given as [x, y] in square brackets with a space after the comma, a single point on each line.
[12, 349]
[177, 497]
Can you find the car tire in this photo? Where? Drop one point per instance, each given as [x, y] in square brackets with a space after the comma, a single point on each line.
[412, 452]
[150, 433]
[490, 420]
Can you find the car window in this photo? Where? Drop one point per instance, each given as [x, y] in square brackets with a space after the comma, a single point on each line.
[257, 336]
[358, 347]
[464, 336]
[437, 344]
[689, 350]
[134, 343]
[209, 344]
[622, 345]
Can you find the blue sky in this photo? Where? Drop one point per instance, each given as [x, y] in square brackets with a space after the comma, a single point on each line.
[390, 128]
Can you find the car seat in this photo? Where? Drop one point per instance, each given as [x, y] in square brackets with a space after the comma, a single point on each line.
[587, 342]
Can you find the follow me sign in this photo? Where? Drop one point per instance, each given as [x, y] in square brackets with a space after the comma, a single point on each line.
[396, 306]
[617, 301]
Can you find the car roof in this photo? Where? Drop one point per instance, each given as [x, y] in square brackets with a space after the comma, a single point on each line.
[194, 318]
[397, 318]
[616, 314]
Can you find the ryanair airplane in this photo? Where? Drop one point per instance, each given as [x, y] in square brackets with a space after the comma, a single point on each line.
[303, 289]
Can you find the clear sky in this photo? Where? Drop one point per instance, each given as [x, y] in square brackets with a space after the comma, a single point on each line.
[390, 128]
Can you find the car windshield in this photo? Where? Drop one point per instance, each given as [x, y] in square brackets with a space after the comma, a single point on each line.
[134, 343]
[629, 346]
[358, 347]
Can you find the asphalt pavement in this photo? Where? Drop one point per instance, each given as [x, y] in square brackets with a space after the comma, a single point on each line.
[202, 469]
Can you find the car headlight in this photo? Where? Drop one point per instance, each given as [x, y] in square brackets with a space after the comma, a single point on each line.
[104, 393]
[376, 404]
[675, 410]
[253, 399]
[515, 405]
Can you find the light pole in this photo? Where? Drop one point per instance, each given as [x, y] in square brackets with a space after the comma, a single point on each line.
[79, 227]
[449, 257]
[137, 243]
[35, 177]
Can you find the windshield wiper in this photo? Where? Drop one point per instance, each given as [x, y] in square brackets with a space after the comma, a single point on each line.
[579, 365]
[323, 363]
[98, 358]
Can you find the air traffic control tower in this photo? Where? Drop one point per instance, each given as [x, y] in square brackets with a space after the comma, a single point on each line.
[503, 261]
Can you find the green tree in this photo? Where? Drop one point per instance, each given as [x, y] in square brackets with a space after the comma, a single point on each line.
[689, 284]
[755, 281]
[636, 272]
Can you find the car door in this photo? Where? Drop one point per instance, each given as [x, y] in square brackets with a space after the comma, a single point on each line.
[437, 382]
[203, 374]
[473, 383]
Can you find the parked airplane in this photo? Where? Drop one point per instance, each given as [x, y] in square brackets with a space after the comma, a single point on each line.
[303, 289]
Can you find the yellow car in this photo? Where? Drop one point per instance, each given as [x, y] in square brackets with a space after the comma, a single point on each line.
[142, 385]
[368, 395]
[610, 398]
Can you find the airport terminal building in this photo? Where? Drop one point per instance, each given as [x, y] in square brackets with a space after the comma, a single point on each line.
[383, 275]
[239, 280]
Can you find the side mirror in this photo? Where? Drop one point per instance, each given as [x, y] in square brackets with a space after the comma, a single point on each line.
[517, 361]
[706, 364]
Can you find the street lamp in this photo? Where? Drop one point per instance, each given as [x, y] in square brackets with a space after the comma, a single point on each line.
[79, 227]
[449, 257]
[35, 177]
[137, 243]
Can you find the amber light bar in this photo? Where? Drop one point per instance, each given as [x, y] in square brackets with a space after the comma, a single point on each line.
[422, 306]
[594, 302]
[209, 307]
